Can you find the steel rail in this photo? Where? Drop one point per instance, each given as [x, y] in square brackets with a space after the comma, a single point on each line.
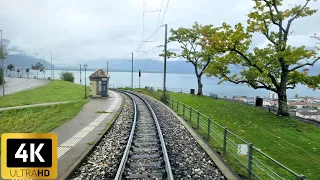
[127, 150]
[162, 142]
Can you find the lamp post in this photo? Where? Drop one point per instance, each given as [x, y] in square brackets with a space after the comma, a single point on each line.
[85, 80]
[2, 53]
[80, 74]
[44, 67]
[51, 65]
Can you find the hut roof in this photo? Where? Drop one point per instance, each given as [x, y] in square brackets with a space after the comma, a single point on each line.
[99, 73]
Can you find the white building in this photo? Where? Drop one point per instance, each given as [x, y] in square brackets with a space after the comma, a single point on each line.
[309, 114]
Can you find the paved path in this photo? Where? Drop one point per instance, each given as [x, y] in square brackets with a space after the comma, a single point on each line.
[84, 128]
[14, 85]
[35, 105]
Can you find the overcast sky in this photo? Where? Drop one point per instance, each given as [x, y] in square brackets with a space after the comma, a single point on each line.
[81, 30]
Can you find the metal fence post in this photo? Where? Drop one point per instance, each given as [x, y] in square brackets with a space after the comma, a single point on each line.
[225, 141]
[198, 120]
[190, 113]
[177, 106]
[208, 128]
[250, 161]
[302, 177]
[183, 110]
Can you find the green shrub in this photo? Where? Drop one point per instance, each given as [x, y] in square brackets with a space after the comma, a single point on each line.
[67, 76]
[0, 76]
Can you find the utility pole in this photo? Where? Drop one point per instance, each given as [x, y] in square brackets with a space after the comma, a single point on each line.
[44, 68]
[85, 80]
[107, 68]
[51, 64]
[132, 71]
[2, 53]
[165, 62]
[80, 74]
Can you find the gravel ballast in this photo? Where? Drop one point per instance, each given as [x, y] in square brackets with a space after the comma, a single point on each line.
[103, 163]
[187, 158]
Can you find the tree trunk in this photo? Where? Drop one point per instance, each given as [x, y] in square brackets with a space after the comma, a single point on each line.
[282, 99]
[199, 86]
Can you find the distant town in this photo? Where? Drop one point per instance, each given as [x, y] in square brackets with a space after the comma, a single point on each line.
[304, 107]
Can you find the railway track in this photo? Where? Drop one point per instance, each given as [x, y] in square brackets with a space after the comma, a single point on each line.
[145, 155]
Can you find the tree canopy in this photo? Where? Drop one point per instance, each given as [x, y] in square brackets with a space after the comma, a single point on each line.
[277, 66]
[193, 50]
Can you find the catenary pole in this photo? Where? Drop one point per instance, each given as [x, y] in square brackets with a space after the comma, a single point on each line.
[132, 70]
[165, 62]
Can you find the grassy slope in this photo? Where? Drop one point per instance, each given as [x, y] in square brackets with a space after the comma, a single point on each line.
[55, 91]
[38, 119]
[293, 143]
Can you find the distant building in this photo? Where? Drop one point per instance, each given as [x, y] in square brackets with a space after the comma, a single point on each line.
[241, 98]
[273, 96]
[270, 102]
[300, 105]
[309, 114]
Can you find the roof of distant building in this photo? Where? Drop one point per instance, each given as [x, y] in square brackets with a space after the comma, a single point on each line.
[299, 103]
[99, 73]
[310, 113]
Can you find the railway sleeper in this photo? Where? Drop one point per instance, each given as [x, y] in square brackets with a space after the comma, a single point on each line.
[147, 176]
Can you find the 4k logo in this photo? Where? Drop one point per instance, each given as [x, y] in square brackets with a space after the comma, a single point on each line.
[31, 156]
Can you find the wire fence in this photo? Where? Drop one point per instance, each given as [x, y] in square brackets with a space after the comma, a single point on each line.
[247, 160]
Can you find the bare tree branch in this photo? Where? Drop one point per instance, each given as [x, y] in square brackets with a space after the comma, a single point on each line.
[306, 64]
[286, 32]
[205, 66]
[247, 60]
[272, 15]
[251, 83]
[275, 6]
[267, 33]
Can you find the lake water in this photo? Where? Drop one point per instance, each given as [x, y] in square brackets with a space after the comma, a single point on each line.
[177, 82]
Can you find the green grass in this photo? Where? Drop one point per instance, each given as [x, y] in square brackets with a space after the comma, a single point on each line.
[55, 91]
[293, 143]
[38, 119]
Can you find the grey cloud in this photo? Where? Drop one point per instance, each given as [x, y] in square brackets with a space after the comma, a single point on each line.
[81, 30]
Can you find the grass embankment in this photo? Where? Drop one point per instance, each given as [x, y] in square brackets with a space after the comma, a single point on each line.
[44, 118]
[293, 143]
[38, 119]
[55, 91]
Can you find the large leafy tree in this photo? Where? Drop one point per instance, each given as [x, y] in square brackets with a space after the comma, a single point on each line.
[276, 67]
[11, 68]
[27, 71]
[2, 57]
[192, 48]
[38, 67]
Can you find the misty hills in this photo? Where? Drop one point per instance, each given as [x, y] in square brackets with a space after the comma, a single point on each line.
[145, 65]
[23, 61]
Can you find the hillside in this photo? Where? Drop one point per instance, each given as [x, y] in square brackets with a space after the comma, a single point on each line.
[146, 65]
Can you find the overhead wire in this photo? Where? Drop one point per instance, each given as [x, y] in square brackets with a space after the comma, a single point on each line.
[154, 33]
[159, 19]
[165, 11]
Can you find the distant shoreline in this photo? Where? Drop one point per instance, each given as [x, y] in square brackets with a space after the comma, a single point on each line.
[123, 71]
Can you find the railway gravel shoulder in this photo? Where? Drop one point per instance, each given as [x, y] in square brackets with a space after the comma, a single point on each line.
[188, 159]
[105, 158]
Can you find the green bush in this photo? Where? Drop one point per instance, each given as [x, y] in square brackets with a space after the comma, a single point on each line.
[67, 76]
[0, 76]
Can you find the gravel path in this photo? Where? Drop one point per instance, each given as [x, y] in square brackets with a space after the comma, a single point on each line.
[188, 160]
[103, 163]
[14, 85]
